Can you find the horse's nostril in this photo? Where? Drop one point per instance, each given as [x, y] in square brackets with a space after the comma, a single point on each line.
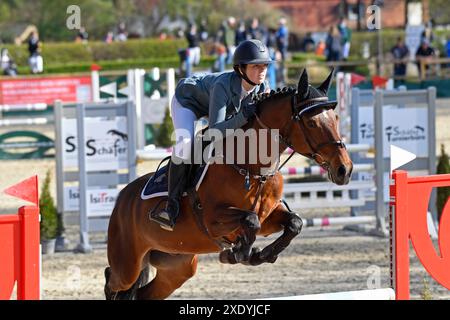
[342, 171]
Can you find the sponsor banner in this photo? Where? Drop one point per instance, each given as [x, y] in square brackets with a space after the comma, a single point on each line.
[100, 202]
[406, 128]
[106, 143]
[45, 90]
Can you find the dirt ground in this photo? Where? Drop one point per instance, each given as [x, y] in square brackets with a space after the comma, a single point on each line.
[317, 261]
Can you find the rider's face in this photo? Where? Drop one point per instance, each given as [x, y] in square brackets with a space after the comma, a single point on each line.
[257, 72]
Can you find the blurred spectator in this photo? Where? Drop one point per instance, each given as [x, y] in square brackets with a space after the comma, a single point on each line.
[229, 38]
[122, 34]
[447, 47]
[82, 35]
[272, 69]
[400, 52]
[162, 36]
[220, 52]
[321, 48]
[346, 37]
[7, 65]
[109, 37]
[183, 55]
[35, 60]
[256, 31]
[308, 44]
[333, 45]
[180, 33]
[36, 63]
[282, 36]
[193, 53]
[33, 43]
[203, 30]
[427, 33]
[424, 53]
[241, 33]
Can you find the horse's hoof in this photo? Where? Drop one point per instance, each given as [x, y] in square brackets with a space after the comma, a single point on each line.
[227, 256]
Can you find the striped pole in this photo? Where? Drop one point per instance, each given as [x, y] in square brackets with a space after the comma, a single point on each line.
[350, 148]
[23, 107]
[20, 122]
[338, 221]
[317, 170]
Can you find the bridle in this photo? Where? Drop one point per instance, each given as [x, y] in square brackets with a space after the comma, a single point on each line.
[298, 111]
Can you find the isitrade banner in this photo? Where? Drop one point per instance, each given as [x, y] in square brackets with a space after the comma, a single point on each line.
[106, 143]
[100, 202]
[407, 128]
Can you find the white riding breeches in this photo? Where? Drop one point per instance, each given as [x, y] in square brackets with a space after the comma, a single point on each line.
[184, 121]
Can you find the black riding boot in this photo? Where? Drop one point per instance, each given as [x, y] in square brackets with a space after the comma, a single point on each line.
[177, 177]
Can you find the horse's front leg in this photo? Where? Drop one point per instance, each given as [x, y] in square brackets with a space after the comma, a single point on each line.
[228, 220]
[279, 219]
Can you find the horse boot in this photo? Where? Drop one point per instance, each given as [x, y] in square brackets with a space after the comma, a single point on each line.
[176, 180]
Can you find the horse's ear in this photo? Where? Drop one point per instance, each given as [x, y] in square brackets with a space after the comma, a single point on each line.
[303, 84]
[325, 86]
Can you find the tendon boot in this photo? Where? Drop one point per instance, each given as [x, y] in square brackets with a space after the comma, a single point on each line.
[176, 180]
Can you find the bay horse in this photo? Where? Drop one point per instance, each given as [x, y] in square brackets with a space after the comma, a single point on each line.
[230, 208]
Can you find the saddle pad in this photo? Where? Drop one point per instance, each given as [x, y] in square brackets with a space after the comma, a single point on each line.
[157, 184]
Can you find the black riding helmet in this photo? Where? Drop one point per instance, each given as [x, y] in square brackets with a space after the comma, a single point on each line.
[250, 52]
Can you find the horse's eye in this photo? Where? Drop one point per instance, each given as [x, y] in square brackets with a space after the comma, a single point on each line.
[337, 117]
[311, 124]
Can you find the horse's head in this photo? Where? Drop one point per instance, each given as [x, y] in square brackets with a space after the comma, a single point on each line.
[317, 133]
[308, 124]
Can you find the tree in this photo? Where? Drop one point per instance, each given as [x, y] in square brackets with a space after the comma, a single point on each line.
[439, 11]
[443, 193]
[164, 138]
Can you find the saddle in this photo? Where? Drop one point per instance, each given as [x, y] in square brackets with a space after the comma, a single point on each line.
[157, 184]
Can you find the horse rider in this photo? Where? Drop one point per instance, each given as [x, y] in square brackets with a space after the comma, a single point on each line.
[226, 98]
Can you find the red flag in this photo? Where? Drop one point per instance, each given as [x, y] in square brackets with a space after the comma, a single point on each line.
[95, 67]
[357, 78]
[379, 81]
[26, 190]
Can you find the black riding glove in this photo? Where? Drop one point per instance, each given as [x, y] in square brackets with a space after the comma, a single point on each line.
[249, 110]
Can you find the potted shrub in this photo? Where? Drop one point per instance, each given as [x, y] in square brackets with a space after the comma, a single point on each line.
[49, 218]
[164, 137]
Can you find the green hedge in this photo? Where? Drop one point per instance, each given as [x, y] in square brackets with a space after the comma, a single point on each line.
[76, 53]
[169, 62]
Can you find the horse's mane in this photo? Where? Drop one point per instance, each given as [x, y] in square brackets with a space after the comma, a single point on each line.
[259, 99]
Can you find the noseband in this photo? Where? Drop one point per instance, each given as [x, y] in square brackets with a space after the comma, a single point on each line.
[297, 113]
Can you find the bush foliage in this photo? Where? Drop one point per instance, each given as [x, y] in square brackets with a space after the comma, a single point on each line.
[49, 217]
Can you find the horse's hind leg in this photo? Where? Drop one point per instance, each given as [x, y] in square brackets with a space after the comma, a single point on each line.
[127, 262]
[172, 271]
[129, 294]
